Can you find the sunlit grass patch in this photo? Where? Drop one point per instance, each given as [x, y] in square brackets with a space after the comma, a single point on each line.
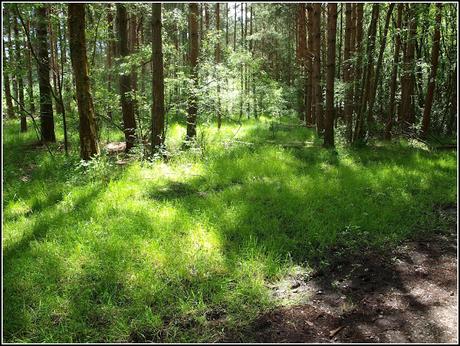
[182, 249]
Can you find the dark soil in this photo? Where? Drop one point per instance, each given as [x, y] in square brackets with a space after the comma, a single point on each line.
[408, 294]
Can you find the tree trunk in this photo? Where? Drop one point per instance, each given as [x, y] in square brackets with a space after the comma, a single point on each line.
[158, 112]
[347, 111]
[316, 26]
[217, 55]
[359, 57]
[6, 76]
[6, 85]
[110, 54]
[406, 113]
[89, 146]
[127, 106]
[30, 88]
[360, 129]
[19, 62]
[453, 110]
[329, 116]
[370, 116]
[193, 106]
[301, 59]
[309, 67]
[394, 75]
[43, 67]
[434, 68]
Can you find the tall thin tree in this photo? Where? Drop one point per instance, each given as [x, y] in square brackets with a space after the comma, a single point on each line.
[89, 146]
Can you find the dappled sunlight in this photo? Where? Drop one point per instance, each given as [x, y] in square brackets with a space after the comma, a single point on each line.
[106, 248]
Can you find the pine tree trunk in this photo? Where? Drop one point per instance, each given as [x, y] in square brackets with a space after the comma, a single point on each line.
[370, 115]
[301, 59]
[19, 76]
[347, 111]
[193, 106]
[217, 56]
[7, 85]
[434, 68]
[89, 145]
[406, 113]
[360, 128]
[394, 76]
[309, 67]
[30, 88]
[43, 67]
[158, 112]
[6, 63]
[110, 54]
[316, 25]
[127, 106]
[329, 116]
[359, 57]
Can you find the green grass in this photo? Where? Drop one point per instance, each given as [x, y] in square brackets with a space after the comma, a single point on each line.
[152, 250]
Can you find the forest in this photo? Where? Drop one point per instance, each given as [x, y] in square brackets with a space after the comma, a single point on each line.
[229, 172]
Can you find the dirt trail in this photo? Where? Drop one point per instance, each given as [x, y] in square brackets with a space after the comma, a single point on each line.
[408, 295]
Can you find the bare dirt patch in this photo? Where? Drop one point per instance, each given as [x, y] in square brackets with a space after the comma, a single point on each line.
[406, 295]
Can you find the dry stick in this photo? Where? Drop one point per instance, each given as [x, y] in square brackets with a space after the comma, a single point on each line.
[35, 125]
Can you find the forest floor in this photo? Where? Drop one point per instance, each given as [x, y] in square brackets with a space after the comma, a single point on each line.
[408, 294]
[236, 239]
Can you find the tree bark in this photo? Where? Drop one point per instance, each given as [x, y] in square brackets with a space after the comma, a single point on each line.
[360, 129]
[217, 56]
[329, 116]
[127, 106]
[301, 50]
[309, 67]
[43, 67]
[434, 68]
[89, 146]
[193, 59]
[373, 92]
[30, 88]
[158, 112]
[406, 113]
[316, 26]
[394, 75]
[348, 108]
[19, 75]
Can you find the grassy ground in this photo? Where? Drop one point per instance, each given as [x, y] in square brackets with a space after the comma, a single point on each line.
[182, 251]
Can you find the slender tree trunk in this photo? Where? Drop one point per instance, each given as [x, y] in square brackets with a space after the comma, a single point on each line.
[43, 67]
[301, 59]
[30, 81]
[127, 106]
[309, 67]
[329, 116]
[19, 76]
[89, 145]
[394, 75]
[110, 53]
[407, 79]
[348, 107]
[434, 68]
[316, 26]
[6, 85]
[453, 104]
[217, 56]
[360, 129]
[158, 112]
[359, 57]
[370, 115]
[193, 106]
[234, 27]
